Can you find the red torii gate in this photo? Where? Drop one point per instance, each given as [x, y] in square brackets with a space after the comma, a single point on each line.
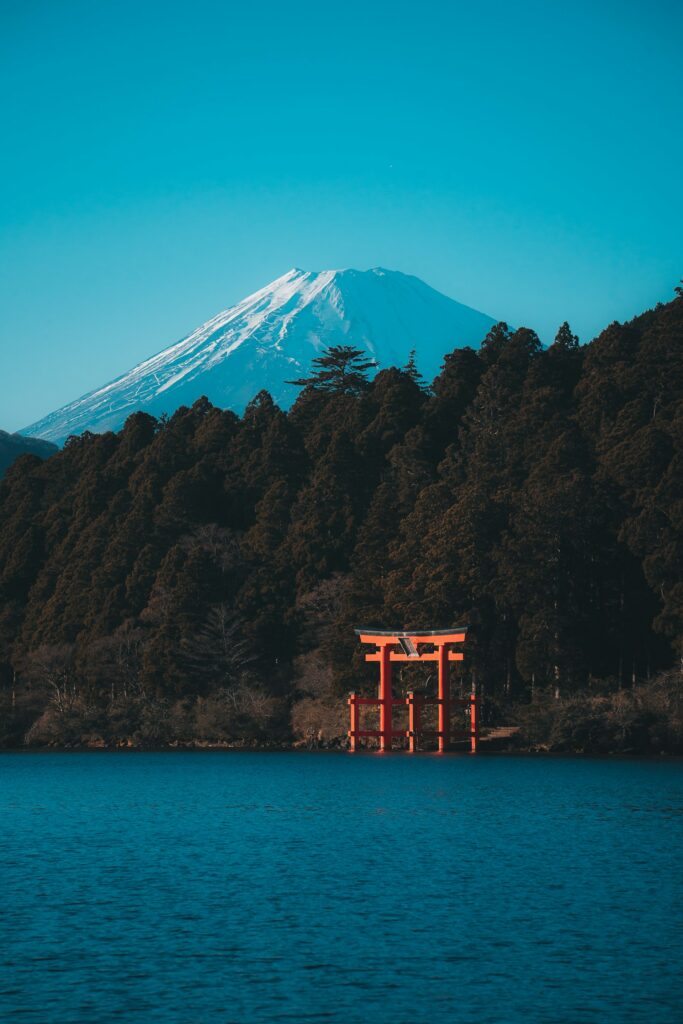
[391, 646]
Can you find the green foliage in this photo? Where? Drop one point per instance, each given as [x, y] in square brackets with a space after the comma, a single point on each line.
[564, 339]
[646, 719]
[189, 579]
[342, 370]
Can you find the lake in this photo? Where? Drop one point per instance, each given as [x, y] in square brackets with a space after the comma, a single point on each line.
[259, 887]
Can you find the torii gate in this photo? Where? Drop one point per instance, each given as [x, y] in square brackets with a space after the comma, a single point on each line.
[391, 646]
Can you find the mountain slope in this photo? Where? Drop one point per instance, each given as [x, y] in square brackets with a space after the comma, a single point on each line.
[272, 336]
[14, 445]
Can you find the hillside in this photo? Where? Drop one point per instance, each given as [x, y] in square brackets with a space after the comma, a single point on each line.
[197, 578]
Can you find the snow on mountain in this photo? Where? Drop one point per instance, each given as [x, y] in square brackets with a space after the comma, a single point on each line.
[271, 337]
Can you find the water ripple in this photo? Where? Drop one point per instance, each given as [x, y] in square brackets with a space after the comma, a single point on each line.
[262, 888]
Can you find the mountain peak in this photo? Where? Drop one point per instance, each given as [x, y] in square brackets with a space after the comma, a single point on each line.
[272, 336]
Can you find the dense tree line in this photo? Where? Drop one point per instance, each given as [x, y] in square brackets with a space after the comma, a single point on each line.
[200, 576]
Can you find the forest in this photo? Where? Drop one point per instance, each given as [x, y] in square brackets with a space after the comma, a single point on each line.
[195, 580]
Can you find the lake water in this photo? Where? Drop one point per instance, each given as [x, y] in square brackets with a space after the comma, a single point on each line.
[234, 887]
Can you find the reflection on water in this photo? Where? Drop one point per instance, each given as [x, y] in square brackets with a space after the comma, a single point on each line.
[292, 887]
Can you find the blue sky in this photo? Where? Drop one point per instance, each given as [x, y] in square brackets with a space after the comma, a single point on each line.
[162, 160]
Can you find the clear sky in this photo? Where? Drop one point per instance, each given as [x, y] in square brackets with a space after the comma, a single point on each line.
[161, 160]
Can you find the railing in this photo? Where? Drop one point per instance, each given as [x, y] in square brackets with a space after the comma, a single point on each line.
[415, 733]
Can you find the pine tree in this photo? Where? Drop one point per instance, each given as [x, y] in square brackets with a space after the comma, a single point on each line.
[342, 369]
[565, 340]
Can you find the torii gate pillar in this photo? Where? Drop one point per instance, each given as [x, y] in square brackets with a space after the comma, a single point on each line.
[444, 705]
[386, 697]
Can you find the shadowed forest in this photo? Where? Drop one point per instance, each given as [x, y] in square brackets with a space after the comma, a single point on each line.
[196, 580]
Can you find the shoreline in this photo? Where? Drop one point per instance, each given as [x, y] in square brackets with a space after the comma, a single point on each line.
[292, 749]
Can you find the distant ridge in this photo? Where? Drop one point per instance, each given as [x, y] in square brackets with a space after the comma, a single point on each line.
[272, 336]
[14, 445]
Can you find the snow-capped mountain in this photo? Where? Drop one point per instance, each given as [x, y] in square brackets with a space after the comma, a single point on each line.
[271, 337]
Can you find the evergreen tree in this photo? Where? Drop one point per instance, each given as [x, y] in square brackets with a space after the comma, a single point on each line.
[565, 340]
[342, 369]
